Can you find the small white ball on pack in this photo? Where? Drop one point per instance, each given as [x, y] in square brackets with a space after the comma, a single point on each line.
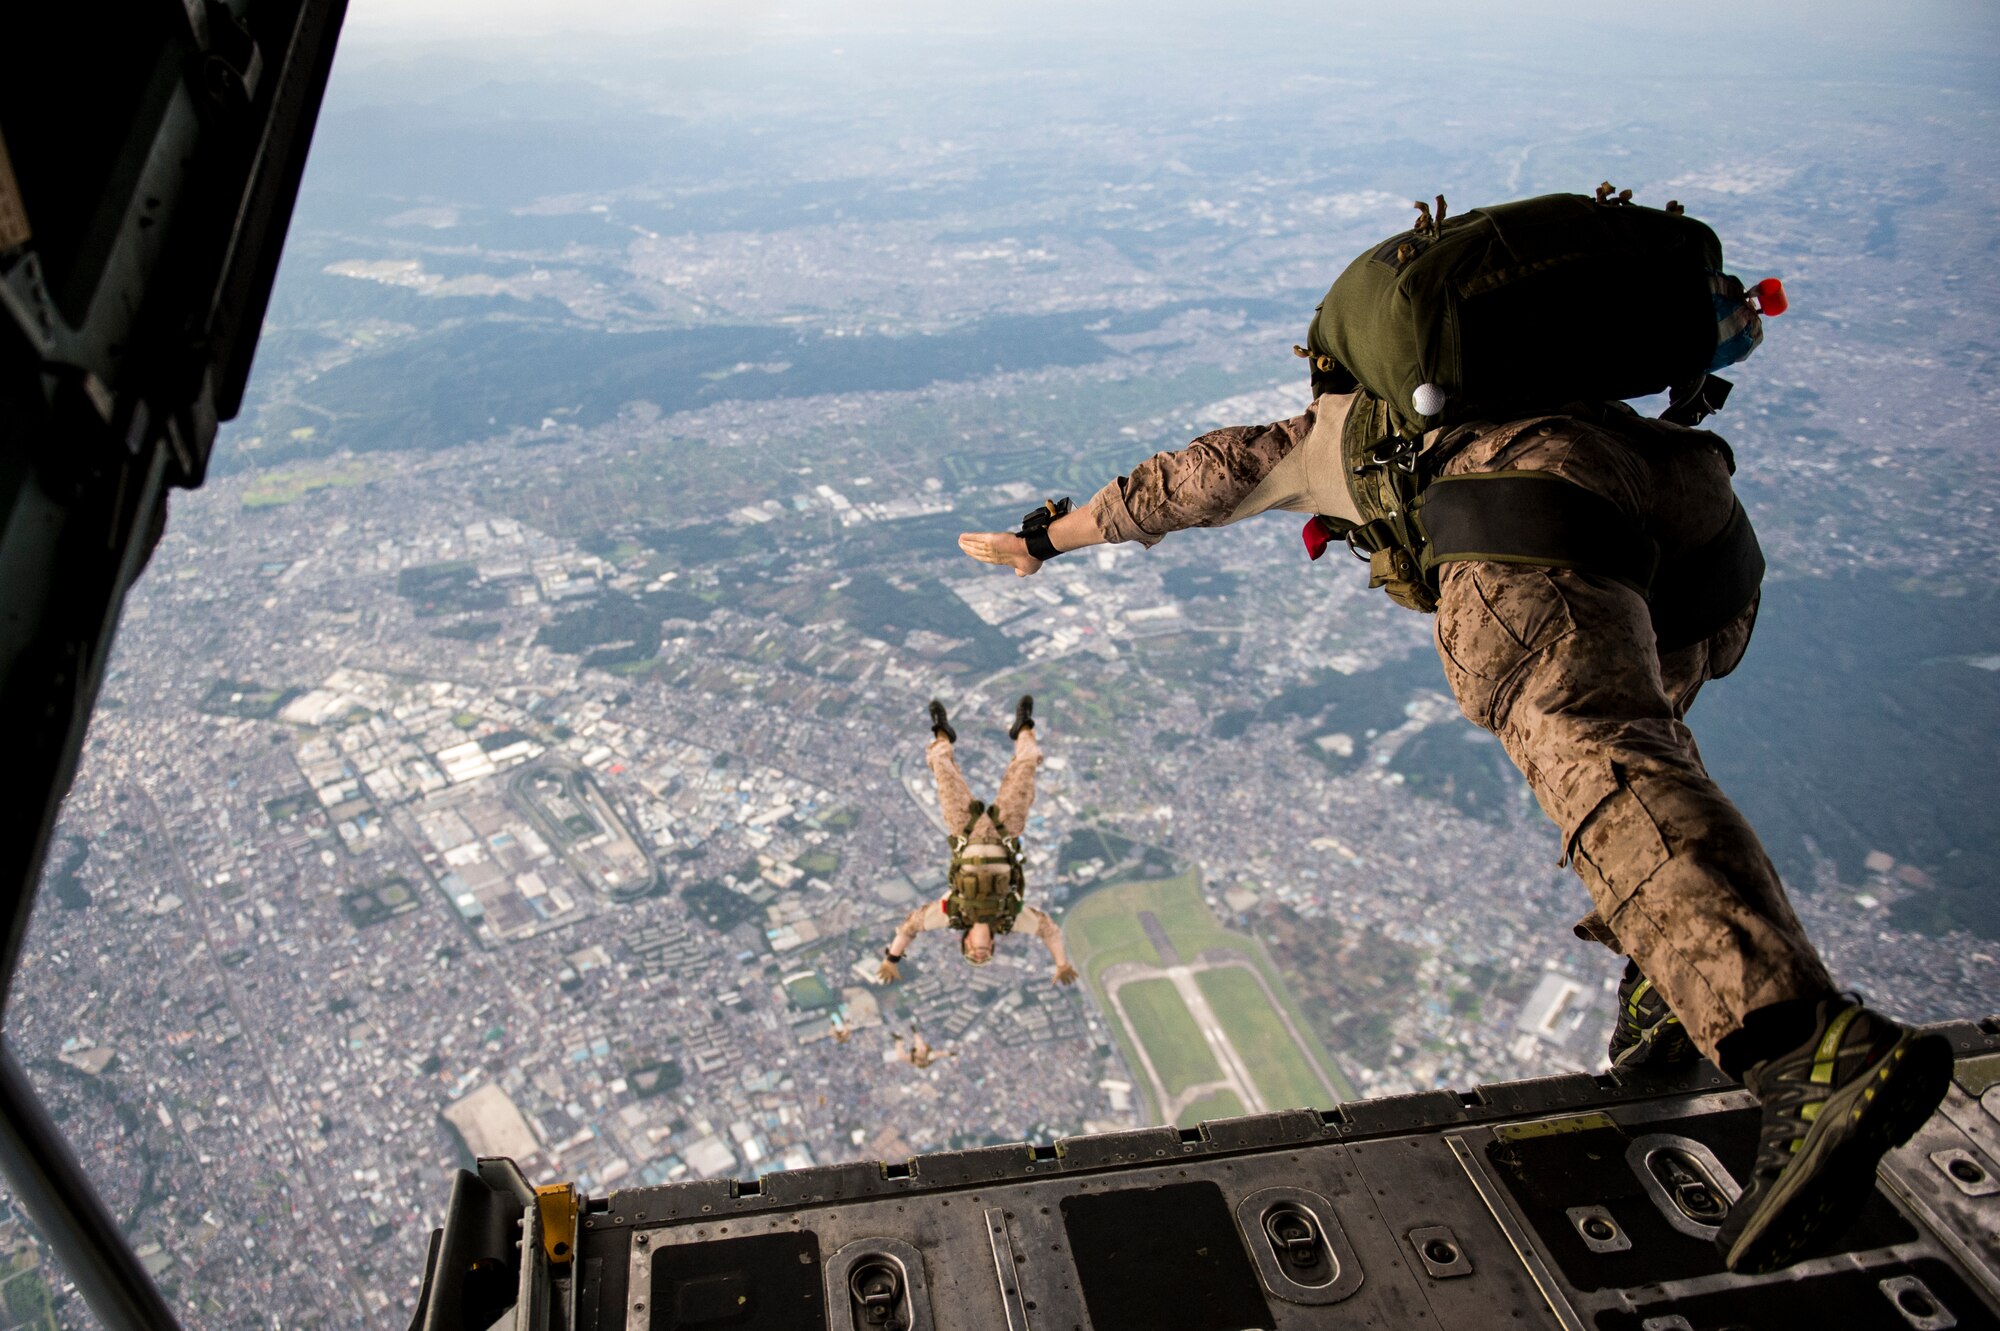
[1428, 399]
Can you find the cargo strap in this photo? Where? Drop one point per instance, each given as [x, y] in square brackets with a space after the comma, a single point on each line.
[1537, 518]
[1532, 517]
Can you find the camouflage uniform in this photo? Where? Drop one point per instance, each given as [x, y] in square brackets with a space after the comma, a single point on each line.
[1563, 667]
[1016, 797]
[1017, 788]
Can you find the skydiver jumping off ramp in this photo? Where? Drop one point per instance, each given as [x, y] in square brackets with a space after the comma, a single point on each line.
[1590, 570]
[985, 881]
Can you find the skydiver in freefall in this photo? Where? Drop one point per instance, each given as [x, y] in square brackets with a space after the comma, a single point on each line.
[918, 1052]
[985, 879]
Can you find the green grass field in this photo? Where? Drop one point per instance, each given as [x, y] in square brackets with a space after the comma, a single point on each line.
[288, 485]
[1103, 930]
[1162, 1022]
[1216, 1104]
[1282, 1077]
[26, 1296]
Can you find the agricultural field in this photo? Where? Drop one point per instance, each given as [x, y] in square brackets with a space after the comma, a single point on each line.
[280, 486]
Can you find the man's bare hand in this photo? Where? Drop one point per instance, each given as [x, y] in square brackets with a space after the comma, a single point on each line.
[1065, 974]
[888, 973]
[999, 547]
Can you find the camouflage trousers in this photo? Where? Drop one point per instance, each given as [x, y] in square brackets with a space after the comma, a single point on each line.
[1563, 667]
[1011, 805]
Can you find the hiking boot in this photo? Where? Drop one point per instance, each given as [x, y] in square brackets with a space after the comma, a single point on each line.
[939, 725]
[1833, 1107]
[1024, 716]
[1648, 1034]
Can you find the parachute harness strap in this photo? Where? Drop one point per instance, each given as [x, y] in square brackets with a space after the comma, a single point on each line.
[1389, 478]
[1426, 519]
[968, 904]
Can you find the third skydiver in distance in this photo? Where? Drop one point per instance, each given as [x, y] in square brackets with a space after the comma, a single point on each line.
[1583, 661]
[918, 1052]
[985, 880]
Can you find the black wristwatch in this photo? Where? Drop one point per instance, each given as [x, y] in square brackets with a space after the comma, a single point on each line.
[889, 954]
[1035, 528]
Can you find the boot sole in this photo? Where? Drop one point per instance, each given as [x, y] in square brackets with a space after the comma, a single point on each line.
[1823, 1190]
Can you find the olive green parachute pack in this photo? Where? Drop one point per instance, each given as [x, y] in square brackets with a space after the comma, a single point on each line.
[1521, 310]
[987, 882]
[1504, 311]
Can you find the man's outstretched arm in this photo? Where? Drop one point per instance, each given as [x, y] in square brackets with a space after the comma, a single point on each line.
[1197, 486]
[930, 915]
[1041, 926]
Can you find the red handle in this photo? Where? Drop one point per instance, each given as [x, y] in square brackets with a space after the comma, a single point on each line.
[1770, 297]
[1316, 537]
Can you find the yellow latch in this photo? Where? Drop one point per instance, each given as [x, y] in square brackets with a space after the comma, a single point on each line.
[1553, 1127]
[557, 1203]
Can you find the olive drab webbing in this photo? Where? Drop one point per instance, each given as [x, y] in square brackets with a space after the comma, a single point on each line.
[1414, 520]
[986, 880]
[1383, 480]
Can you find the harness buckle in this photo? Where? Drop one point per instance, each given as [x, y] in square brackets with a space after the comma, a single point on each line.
[1389, 451]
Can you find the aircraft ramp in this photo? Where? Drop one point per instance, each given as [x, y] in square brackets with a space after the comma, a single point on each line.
[1570, 1203]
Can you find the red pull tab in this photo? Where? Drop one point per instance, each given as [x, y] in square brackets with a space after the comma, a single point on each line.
[1770, 297]
[1316, 537]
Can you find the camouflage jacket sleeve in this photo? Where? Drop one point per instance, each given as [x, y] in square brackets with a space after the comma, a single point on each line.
[930, 915]
[1197, 486]
[1041, 926]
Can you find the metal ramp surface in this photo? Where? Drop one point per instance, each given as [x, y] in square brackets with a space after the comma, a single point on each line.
[1569, 1203]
